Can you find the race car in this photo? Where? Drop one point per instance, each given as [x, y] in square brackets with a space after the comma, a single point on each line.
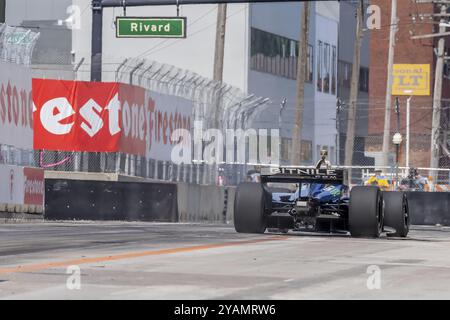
[321, 203]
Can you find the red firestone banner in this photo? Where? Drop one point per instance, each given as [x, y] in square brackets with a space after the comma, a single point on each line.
[106, 117]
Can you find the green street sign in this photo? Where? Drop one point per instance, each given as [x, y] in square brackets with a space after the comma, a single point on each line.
[151, 27]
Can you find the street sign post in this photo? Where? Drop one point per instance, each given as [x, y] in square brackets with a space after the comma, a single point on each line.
[151, 27]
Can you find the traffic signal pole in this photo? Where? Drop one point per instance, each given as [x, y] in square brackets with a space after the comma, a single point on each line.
[2, 11]
[97, 40]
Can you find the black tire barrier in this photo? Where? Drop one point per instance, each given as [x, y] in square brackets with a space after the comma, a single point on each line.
[429, 208]
[110, 200]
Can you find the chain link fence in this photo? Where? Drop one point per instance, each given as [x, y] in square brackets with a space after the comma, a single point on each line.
[16, 47]
[215, 105]
[17, 44]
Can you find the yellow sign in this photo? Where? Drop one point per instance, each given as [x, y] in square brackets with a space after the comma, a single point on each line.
[411, 80]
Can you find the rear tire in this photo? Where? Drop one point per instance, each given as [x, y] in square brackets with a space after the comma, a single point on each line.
[249, 204]
[366, 212]
[396, 213]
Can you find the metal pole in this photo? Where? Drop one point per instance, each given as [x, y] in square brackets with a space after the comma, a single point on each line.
[97, 39]
[408, 114]
[387, 114]
[397, 112]
[397, 149]
[280, 120]
[2, 11]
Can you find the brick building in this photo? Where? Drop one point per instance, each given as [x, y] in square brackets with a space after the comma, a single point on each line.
[409, 52]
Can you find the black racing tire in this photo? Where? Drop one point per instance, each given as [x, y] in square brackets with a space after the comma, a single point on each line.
[396, 213]
[249, 204]
[366, 212]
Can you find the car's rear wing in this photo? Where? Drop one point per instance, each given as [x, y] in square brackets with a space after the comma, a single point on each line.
[297, 174]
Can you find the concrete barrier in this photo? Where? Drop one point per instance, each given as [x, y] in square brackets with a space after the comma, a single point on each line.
[21, 189]
[110, 200]
[153, 201]
[198, 203]
[429, 208]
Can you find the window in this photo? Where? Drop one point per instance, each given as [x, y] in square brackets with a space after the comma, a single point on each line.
[345, 76]
[274, 54]
[364, 79]
[319, 65]
[285, 149]
[306, 152]
[333, 71]
[326, 68]
[309, 64]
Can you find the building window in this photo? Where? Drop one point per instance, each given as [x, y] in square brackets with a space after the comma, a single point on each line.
[306, 152]
[333, 71]
[310, 64]
[285, 149]
[364, 79]
[326, 68]
[345, 76]
[277, 55]
[319, 65]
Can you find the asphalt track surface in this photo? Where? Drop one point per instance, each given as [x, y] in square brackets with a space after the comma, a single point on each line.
[192, 261]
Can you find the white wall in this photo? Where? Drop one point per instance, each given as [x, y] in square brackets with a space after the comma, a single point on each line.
[20, 10]
[195, 53]
[280, 18]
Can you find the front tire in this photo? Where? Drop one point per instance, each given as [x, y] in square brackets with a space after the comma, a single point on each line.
[249, 204]
[396, 213]
[366, 212]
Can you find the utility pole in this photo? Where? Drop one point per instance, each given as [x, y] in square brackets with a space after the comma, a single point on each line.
[351, 115]
[437, 98]
[2, 11]
[219, 54]
[301, 74]
[390, 67]
[219, 51]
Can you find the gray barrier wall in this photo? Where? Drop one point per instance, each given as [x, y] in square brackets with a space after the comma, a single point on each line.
[71, 199]
[429, 208]
[198, 203]
[110, 200]
[151, 201]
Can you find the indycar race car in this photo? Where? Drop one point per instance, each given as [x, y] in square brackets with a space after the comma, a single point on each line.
[320, 202]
